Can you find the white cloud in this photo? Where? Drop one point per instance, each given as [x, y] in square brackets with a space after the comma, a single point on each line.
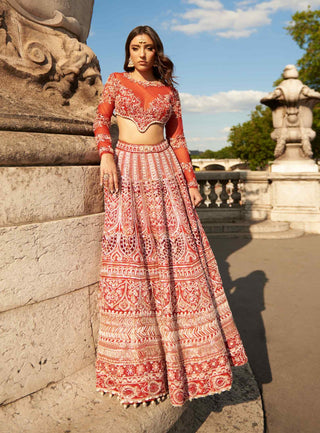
[236, 34]
[209, 4]
[245, 3]
[211, 16]
[222, 102]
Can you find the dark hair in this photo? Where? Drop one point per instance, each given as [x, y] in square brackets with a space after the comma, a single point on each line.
[163, 66]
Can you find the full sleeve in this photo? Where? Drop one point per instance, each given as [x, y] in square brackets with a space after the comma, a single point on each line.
[176, 138]
[102, 122]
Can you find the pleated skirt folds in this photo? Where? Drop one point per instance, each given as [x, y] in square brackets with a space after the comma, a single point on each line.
[165, 323]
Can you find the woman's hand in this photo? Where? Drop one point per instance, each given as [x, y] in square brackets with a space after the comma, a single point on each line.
[195, 196]
[108, 173]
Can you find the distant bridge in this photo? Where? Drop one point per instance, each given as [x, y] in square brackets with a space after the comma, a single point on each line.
[217, 164]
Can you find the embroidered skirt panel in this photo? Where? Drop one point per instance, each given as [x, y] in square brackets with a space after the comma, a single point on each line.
[165, 323]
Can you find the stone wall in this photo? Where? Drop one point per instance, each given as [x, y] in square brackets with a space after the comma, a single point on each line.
[50, 226]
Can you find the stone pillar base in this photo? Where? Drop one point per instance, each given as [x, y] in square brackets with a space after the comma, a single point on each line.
[294, 161]
[51, 223]
[298, 166]
[296, 198]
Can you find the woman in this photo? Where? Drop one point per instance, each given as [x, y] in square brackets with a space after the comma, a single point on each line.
[165, 324]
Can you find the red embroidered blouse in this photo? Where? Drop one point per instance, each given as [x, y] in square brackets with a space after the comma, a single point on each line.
[145, 103]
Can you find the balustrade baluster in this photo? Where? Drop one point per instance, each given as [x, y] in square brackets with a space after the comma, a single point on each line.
[229, 190]
[224, 195]
[236, 195]
[218, 189]
[213, 196]
[221, 190]
[206, 191]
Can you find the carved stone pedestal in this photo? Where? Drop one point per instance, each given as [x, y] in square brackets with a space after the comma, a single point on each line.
[296, 199]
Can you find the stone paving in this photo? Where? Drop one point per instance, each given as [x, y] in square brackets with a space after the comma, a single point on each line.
[274, 291]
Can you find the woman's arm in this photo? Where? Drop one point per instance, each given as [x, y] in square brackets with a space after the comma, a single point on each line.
[101, 128]
[176, 138]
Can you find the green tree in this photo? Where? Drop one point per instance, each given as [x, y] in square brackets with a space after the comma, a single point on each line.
[305, 31]
[206, 154]
[251, 140]
[224, 153]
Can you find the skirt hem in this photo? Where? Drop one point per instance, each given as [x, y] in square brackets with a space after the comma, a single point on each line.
[160, 397]
[163, 396]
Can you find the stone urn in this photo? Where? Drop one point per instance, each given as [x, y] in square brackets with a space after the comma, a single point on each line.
[292, 105]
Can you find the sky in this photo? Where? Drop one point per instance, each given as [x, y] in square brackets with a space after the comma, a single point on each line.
[227, 54]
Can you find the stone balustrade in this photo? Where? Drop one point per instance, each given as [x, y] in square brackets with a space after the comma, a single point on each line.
[261, 195]
[220, 189]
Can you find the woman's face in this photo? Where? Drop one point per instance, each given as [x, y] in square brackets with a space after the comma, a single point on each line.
[142, 52]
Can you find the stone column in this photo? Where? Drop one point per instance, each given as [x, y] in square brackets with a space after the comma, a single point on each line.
[51, 214]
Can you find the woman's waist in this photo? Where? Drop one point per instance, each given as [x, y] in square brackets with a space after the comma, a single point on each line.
[142, 147]
[141, 139]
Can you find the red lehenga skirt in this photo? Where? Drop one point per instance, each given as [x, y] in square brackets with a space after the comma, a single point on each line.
[165, 323]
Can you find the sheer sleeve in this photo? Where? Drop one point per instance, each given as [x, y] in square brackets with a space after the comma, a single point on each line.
[176, 138]
[102, 122]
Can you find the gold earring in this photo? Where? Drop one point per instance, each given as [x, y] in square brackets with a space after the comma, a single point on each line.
[130, 63]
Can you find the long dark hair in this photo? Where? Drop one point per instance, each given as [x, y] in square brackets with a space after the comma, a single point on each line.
[163, 66]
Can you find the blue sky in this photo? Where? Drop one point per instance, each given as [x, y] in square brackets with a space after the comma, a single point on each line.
[227, 54]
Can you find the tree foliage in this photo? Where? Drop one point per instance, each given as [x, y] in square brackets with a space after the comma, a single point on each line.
[251, 140]
[224, 153]
[305, 31]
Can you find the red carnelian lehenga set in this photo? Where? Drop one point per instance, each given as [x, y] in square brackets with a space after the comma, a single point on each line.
[165, 323]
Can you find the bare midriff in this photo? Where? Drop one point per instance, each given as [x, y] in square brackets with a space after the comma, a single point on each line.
[129, 133]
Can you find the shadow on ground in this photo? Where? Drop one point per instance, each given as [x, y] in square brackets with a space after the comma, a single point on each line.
[246, 298]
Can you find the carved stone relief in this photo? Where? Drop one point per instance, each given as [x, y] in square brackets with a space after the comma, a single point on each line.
[45, 67]
[72, 16]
